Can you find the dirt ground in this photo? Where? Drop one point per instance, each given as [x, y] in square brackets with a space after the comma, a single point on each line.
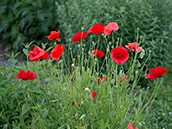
[3, 57]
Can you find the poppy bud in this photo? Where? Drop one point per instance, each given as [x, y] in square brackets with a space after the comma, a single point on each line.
[72, 65]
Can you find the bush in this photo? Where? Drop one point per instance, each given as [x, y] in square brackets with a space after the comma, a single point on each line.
[26, 20]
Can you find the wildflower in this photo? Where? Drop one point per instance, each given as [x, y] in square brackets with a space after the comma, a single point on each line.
[38, 54]
[112, 26]
[134, 46]
[93, 94]
[73, 102]
[96, 29]
[26, 75]
[156, 73]
[119, 55]
[57, 52]
[87, 89]
[101, 79]
[79, 36]
[122, 79]
[131, 127]
[54, 35]
[98, 53]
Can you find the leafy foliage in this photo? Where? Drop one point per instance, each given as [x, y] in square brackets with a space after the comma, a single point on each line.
[26, 20]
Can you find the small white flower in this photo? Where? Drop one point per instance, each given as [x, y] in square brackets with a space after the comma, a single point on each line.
[169, 113]
[87, 89]
[163, 114]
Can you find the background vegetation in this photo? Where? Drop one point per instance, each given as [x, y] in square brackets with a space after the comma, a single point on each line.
[28, 20]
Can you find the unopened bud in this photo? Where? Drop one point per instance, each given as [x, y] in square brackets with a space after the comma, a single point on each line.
[72, 65]
[82, 28]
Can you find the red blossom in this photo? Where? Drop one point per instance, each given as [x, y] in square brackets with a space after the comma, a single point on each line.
[26, 75]
[54, 35]
[156, 73]
[130, 126]
[119, 55]
[98, 80]
[78, 36]
[112, 26]
[93, 94]
[57, 52]
[101, 79]
[134, 46]
[73, 102]
[38, 54]
[122, 79]
[96, 29]
[98, 53]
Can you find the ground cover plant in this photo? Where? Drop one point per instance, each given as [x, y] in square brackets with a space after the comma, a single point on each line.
[46, 93]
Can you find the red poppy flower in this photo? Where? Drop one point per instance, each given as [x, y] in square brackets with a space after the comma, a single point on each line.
[105, 78]
[122, 79]
[157, 72]
[119, 55]
[57, 52]
[134, 46]
[73, 102]
[131, 127]
[26, 75]
[78, 36]
[38, 54]
[93, 94]
[98, 80]
[98, 53]
[96, 29]
[101, 79]
[112, 26]
[54, 35]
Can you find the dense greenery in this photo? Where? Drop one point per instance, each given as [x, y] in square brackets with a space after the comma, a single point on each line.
[25, 21]
[152, 17]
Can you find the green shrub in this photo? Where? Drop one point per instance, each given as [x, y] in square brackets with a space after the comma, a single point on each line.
[26, 20]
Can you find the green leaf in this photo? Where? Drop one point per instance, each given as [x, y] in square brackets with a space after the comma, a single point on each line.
[45, 113]
[25, 108]
[49, 48]
[25, 51]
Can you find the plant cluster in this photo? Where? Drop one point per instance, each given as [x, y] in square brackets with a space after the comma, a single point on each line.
[49, 95]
